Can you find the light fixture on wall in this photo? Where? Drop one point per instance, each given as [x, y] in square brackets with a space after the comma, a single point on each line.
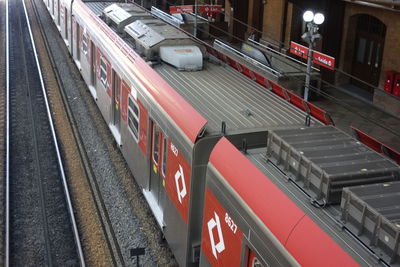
[264, 2]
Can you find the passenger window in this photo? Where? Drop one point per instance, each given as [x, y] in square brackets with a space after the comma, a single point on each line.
[164, 158]
[103, 71]
[133, 118]
[66, 23]
[78, 50]
[156, 137]
[84, 43]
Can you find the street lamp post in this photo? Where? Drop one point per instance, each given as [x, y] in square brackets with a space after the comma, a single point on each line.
[311, 37]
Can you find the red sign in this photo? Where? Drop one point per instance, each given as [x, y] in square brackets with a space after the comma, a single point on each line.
[210, 10]
[180, 9]
[299, 50]
[318, 58]
[324, 60]
[221, 236]
[178, 180]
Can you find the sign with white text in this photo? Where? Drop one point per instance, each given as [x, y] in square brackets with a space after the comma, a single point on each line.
[298, 50]
[317, 57]
[210, 10]
[181, 9]
[324, 60]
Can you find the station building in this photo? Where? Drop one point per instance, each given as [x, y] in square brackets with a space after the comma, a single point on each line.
[362, 36]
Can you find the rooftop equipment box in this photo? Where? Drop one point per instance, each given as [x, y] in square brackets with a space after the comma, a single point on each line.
[373, 213]
[323, 160]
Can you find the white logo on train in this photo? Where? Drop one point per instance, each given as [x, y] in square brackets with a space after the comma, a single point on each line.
[220, 246]
[181, 191]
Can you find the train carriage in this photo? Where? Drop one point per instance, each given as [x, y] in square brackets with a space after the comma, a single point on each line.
[257, 211]
[168, 99]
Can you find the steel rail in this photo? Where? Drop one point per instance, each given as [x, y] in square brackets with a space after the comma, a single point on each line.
[7, 226]
[60, 164]
[111, 239]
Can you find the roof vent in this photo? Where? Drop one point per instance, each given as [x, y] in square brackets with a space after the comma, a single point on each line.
[151, 34]
[115, 14]
[188, 58]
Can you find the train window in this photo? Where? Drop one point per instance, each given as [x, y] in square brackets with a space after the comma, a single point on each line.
[156, 138]
[133, 118]
[84, 43]
[103, 71]
[164, 157]
[66, 23]
[78, 49]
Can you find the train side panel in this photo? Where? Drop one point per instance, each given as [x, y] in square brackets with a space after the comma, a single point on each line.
[65, 24]
[57, 13]
[52, 8]
[166, 190]
[104, 81]
[87, 62]
[275, 229]
[222, 239]
[231, 230]
[135, 142]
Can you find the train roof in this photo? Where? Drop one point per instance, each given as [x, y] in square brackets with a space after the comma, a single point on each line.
[267, 194]
[267, 189]
[312, 166]
[191, 122]
[221, 94]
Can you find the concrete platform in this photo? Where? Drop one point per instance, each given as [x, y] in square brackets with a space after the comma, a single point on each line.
[350, 110]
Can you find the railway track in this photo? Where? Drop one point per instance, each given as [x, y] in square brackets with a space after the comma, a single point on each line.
[104, 218]
[2, 121]
[115, 251]
[40, 224]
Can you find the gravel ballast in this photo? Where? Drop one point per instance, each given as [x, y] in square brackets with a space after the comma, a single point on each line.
[129, 214]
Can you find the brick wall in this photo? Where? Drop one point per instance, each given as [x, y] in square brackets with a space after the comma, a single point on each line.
[273, 13]
[390, 58]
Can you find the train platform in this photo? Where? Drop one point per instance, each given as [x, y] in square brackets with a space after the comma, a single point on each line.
[350, 110]
[348, 105]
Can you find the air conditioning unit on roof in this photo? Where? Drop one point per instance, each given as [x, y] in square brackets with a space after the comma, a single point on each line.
[117, 15]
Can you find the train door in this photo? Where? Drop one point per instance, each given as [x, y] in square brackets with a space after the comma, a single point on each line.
[116, 98]
[159, 164]
[92, 65]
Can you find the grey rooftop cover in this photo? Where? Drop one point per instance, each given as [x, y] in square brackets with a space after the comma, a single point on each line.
[373, 213]
[323, 160]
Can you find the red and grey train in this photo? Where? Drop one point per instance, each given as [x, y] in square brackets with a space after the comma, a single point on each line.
[234, 168]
